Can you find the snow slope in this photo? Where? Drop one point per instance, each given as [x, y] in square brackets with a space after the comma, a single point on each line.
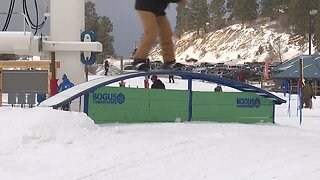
[42, 143]
[237, 44]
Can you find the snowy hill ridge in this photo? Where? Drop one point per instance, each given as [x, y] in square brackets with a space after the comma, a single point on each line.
[237, 44]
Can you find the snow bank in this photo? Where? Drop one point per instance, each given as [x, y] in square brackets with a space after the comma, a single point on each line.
[40, 125]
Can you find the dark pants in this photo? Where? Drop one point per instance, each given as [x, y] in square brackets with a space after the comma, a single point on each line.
[171, 79]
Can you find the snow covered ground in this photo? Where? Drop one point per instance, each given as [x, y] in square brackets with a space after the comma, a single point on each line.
[42, 143]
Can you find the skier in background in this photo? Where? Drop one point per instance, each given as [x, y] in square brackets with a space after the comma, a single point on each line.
[171, 78]
[66, 84]
[41, 97]
[308, 94]
[157, 83]
[122, 84]
[285, 87]
[106, 67]
[146, 82]
[218, 88]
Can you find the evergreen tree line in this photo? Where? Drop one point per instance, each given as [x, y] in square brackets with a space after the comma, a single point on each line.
[103, 27]
[207, 16]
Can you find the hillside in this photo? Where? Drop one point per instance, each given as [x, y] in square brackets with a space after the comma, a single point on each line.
[237, 44]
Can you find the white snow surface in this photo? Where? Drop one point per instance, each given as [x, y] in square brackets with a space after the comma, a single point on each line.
[42, 143]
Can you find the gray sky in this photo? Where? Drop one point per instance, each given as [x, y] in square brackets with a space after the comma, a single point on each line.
[127, 29]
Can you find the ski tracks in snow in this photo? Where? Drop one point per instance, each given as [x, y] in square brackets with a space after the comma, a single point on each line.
[159, 154]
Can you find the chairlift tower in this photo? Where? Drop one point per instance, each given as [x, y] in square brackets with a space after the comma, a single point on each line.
[67, 23]
[67, 19]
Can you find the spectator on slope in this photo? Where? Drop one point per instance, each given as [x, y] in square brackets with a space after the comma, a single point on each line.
[285, 87]
[308, 94]
[157, 83]
[106, 67]
[146, 82]
[218, 88]
[171, 78]
[66, 84]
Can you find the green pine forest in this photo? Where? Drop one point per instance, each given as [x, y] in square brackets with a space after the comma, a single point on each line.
[208, 16]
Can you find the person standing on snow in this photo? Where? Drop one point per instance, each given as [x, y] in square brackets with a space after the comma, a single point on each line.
[171, 78]
[66, 84]
[285, 87]
[157, 83]
[155, 23]
[218, 88]
[146, 82]
[308, 94]
[106, 67]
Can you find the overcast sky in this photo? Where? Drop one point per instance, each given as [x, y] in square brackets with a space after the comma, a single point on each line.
[127, 28]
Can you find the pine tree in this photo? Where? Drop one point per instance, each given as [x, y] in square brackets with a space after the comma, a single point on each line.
[270, 8]
[198, 15]
[216, 8]
[102, 26]
[245, 10]
[203, 14]
[284, 5]
[91, 17]
[217, 11]
[103, 34]
[316, 40]
[182, 22]
[299, 16]
[231, 4]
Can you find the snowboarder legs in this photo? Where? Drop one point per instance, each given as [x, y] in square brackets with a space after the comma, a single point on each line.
[155, 23]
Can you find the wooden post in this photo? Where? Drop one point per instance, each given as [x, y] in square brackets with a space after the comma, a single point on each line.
[122, 83]
[0, 87]
[316, 88]
[49, 77]
[53, 80]
[301, 69]
[86, 70]
[121, 64]
[300, 88]
[262, 80]
[53, 66]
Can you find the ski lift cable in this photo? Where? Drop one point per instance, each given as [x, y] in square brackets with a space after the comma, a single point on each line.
[11, 7]
[25, 11]
[39, 26]
[8, 17]
[34, 26]
[37, 12]
[6, 25]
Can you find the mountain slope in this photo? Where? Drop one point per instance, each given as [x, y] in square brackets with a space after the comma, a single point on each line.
[237, 44]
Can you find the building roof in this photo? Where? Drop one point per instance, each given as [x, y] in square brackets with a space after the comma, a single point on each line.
[291, 68]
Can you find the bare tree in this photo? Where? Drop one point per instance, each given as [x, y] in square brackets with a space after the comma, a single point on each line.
[278, 48]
